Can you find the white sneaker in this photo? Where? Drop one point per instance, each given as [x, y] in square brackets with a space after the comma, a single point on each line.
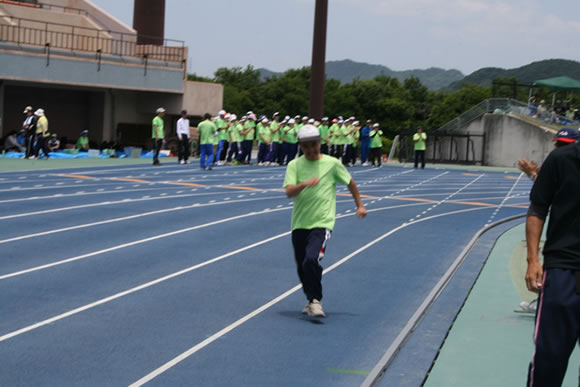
[365, 164]
[306, 309]
[182, 162]
[529, 307]
[315, 309]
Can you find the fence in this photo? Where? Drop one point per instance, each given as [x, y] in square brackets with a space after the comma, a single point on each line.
[75, 38]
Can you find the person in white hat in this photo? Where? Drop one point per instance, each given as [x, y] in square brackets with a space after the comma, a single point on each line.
[311, 181]
[323, 129]
[158, 134]
[276, 147]
[29, 126]
[41, 133]
[222, 138]
[264, 142]
[289, 146]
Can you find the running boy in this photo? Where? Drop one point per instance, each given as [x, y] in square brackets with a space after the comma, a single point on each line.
[311, 180]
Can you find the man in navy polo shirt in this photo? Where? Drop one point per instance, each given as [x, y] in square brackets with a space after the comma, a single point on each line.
[557, 190]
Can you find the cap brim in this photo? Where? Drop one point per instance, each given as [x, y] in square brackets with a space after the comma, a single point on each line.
[564, 139]
[306, 139]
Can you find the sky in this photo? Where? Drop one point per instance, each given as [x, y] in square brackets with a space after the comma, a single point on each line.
[401, 34]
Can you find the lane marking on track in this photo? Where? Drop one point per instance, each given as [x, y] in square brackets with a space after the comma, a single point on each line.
[167, 277]
[507, 197]
[170, 364]
[136, 216]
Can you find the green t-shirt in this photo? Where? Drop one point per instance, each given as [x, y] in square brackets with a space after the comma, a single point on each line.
[348, 137]
[339, 138]
[420, 145]
[158, 122]
[234, 132]
[331, 132]
[315, 207]
[222, 134]
[323, 130]
[290, 135]
[376, 141]
[264, 131]
[275, 135]
[206, 130]
[82, 143]
[252, 126]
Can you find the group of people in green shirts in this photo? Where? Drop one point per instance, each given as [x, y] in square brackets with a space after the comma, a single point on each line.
[234, 137]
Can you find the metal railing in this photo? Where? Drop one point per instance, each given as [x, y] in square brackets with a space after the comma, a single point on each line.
[488, 106]
[76, 38]
[51, 7]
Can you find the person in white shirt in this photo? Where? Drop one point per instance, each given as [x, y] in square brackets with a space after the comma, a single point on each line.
[183, 138]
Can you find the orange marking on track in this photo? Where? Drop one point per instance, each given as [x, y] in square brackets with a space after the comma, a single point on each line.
[361, 195]
[477, 204]
[471, 174]
[127, 179]
[77, 176]
[188, 184]
[239, 187]
[511, 177]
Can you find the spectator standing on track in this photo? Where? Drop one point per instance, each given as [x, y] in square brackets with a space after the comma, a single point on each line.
[376, 136]
[29, 126]
[290, 142]
[158, 134]
[222, 138]
[41, 133]
[206, 134]
[558, 281]
[276, 147]
[365, 143]
[419, 139]
[183, 134]
[311, 181]
[82, 144]
[323, 129]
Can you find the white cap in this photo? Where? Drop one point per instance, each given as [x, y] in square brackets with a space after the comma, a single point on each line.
[291, 121]
[287, 118]
[275, 114]
[221, 112]
[160, 110]
[305, 118]
[27, 109]
[309, 133]
[340, 122]
[324, 119]
[39, 112]
[296, 117]
[356, 123]
[233, 117]
[265, 120]
[311, 121]
[375, 125]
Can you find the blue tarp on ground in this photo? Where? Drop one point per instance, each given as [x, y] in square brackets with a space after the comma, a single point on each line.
[80, 155]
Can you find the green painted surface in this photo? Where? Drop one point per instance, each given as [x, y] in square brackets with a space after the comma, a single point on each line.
[489, 344]
[17, 165]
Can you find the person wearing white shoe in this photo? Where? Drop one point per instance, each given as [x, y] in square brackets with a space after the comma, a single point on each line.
[311, 181]
[183, 138]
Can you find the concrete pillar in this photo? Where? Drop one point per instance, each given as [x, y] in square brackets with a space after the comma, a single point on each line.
[1, 109]
[316, 106]
[149, 21]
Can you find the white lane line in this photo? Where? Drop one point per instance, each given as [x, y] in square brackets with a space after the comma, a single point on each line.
[507, 196]
[137, 242]
[451, 195]
[170, 276]
[107, 203]
[170, 364]
[81, 226]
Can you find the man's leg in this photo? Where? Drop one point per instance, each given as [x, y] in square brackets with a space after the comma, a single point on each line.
[309, 247]
[210, 156]
[556, 330]
[203, 155]
[219, 150]
[180, 150]
[422, 159]
[416, 158]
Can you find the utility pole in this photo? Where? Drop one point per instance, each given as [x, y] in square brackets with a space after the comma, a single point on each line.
[316, 106]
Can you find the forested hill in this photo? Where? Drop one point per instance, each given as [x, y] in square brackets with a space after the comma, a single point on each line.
[347, 70]
[525, 74]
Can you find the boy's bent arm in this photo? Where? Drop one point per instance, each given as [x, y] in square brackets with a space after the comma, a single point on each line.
[295, 189]
[360, 207]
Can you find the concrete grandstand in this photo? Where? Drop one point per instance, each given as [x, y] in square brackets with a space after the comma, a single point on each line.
[88, 70]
